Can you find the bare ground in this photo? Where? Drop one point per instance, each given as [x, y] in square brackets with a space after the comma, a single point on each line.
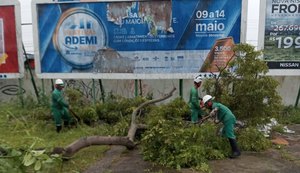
[285, 160]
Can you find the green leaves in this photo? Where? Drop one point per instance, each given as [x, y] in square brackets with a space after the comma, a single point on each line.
[250, 139]
[28, 159]
[36, 158]
[38, 165]
[173, 143]
[248, 92]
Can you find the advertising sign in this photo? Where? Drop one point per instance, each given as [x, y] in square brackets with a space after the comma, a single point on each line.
[132, 39]
[281, 42]
[11, 64]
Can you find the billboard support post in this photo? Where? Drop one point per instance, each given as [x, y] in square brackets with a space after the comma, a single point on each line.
[52, 85]
[94, 91]
[102, 91]
[136, 88]
[297, 99]
[31, 75]
[20, 92]
[141, 87]
[43, 87]
[180, 87]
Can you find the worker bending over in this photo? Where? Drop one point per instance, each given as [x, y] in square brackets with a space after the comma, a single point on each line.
[223, 114]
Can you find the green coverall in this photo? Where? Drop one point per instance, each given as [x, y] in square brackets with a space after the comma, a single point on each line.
[195, 105]
[225, 115]
[59, 108]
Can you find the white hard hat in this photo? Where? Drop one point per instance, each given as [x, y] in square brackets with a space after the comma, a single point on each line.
[59, 82]
[207, 98]
[198, 79]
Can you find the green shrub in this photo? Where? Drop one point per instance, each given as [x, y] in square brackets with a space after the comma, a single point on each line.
[248, 92]
[121, 128]
[289, 115]
[75, 98]
[176, 109]
[88, 115]
[250, 139]
[114, 109]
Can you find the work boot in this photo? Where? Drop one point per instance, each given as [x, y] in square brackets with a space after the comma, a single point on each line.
[234, 148]
[67, 124]
[58, 129]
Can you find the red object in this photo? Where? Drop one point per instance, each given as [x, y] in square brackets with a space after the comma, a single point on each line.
[31, 63]
[11, 65]
[201, 104]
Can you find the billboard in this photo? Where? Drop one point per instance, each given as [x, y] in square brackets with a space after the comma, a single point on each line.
[132, 39]
[281, 36]
[11, 61]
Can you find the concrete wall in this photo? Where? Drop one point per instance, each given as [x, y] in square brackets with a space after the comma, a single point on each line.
[288, 89]
[9, 88]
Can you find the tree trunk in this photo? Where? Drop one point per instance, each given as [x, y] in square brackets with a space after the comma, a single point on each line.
[127, 141]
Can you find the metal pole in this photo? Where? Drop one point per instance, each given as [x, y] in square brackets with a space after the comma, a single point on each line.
[43, 87]
[141, 88]
[94, 91]
[52, 84]
[20, 93]
[31, 75]
[180, 87]
[297, 100]
[102, 91]
[136, 87]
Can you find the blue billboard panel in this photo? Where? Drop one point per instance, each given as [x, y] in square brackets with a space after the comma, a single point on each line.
[132, 37]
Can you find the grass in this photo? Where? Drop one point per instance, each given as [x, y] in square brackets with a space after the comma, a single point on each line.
[289, 115]
[22, 129]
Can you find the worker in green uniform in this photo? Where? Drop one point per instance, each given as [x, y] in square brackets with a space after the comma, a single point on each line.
[59, 107]
[223, 114]
[196, 112]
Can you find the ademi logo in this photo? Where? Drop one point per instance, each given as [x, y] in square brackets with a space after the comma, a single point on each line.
[78, 35]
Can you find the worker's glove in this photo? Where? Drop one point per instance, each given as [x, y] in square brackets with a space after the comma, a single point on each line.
[216, 121]
[213, 113]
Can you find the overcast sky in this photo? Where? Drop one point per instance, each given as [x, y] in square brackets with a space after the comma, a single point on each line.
[26, 19]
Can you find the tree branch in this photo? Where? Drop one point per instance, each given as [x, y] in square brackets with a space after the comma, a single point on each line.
[127, 141]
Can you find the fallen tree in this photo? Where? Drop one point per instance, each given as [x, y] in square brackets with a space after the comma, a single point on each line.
[127, 141]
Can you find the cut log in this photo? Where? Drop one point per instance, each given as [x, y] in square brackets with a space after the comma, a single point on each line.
[127, 141]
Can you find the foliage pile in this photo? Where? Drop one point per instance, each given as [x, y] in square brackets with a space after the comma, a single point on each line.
[250, 139]
[10, 159]
[30, 160]
[172, 142]
[249, 93]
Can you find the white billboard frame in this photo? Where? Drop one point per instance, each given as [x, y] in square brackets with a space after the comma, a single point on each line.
[17, 10]
[115, 75]
[261, 42]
